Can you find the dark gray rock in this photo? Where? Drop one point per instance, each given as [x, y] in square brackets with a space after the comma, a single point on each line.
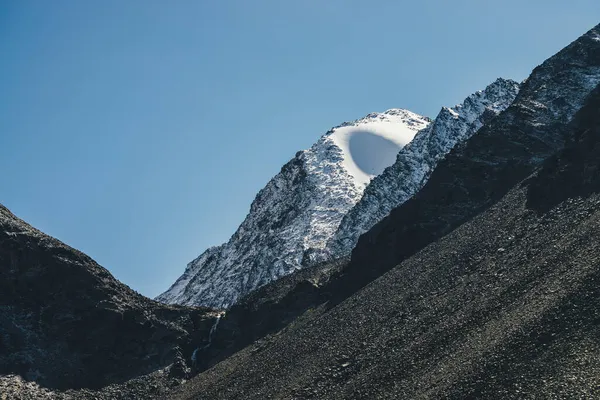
[66, 323]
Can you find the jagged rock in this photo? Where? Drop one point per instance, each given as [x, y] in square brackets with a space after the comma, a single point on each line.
[179, 368]
[417, 160]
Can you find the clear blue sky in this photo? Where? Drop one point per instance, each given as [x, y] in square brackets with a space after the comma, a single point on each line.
[140, 131]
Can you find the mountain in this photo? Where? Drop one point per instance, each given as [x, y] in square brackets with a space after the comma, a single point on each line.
[67, 323]
[294, 215]
[345, 162]
[482, 285]
[417, 160]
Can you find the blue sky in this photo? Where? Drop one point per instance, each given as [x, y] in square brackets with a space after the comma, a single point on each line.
[140, 131]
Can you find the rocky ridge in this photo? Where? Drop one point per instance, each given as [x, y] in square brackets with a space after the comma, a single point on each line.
[417, 160]
[330, 226]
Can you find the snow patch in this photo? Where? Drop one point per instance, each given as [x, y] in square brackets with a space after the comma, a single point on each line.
[368, 151]
[371, 144]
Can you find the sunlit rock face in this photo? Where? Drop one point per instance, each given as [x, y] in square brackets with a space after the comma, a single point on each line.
[296, 213]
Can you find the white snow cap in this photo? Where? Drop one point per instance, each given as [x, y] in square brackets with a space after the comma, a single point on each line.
[371, 144]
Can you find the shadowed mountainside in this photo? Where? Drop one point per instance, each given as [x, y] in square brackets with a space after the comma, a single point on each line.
[66, 322]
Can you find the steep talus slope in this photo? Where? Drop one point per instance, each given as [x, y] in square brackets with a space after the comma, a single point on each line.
[416, 161]
[505, 306]
[65, 322]
[295, 214]
[269, 309]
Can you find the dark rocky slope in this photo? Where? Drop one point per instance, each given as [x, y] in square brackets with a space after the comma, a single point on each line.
[268, 309]
[505, 306]
[65, 322]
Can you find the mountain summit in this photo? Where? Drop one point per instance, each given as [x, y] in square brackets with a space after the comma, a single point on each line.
[296, 213]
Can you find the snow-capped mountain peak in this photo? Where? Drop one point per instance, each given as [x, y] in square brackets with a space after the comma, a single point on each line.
[294, 215]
